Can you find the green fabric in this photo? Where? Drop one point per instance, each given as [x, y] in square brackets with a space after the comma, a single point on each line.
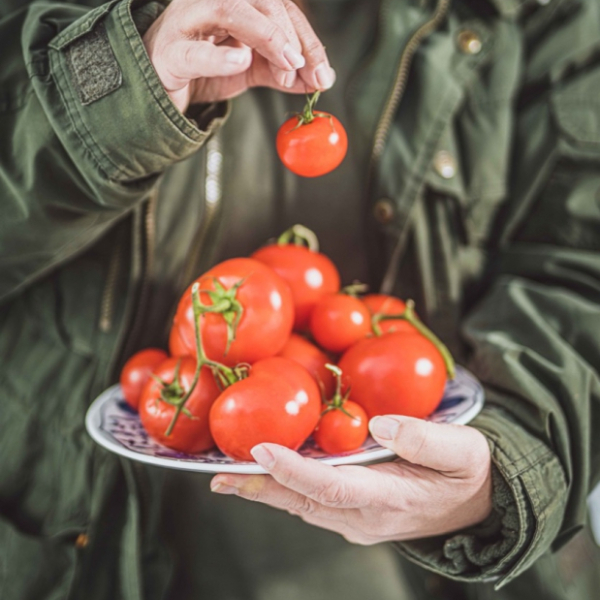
[502, 259]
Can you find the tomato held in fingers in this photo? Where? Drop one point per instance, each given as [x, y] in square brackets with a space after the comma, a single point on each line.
[343, 426]
[279, 402]
[338, 321]
[191, 432]
[395, 374]
[388, 305]
[248, 312]
[312, 144]
[309, 273]
[312, 359]
[136, 372]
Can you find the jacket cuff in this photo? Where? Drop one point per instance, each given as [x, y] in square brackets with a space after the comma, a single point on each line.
[117, 107]
[529, 495]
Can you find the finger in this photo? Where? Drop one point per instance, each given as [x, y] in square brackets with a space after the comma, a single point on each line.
[261, 75]
[317, 72]
[264, 489]
[329, 486]
[453, 449]
[248, 25]
[275, 10]
[188, 60]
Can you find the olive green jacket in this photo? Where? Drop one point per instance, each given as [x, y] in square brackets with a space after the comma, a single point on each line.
[479, 132]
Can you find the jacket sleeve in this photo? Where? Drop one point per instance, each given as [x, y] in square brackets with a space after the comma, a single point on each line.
[86, 129]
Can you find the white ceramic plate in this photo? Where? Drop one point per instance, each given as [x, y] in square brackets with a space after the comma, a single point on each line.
[115, 426]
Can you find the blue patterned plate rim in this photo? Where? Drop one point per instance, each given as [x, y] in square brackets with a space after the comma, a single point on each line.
[116, 427]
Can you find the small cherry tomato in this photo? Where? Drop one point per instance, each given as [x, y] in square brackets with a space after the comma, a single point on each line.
[395, 374]
[191, 432]
[279, 402]
[312, 143]
[388, 305]
[136, 373]
[309, 273]
[254, 318]
[312, 359]
[340, 431]
[338, 321]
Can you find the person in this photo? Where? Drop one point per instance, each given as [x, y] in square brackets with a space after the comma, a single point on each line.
[471, 185]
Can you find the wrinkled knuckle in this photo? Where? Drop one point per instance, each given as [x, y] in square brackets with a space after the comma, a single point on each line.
[335, 494]
[305, 507]
[314, 50]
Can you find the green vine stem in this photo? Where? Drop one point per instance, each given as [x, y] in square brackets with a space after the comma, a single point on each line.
[308, 113]
[224, 373]
[299, 235]
[338, 401]
[410, 316]
[355, 289]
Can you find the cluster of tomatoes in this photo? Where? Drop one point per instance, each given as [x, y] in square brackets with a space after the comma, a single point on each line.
[243, 370]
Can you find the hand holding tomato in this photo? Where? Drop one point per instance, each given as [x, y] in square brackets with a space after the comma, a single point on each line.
[441, 484]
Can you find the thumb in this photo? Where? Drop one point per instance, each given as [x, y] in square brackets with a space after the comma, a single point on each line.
[448, 448]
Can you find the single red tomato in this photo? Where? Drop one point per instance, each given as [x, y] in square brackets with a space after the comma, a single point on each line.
[177, 347]
[309, 274]
[340, 431]
[388, 305]
[395, 374]
[136, 372]
[312, 359]
[279, 402]
[314, 148]
[338, 321]
[191, 433]
[248, 291]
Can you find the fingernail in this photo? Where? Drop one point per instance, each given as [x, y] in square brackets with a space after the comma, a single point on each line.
[236, 56]
[221, 488]
[294, 57]
[263, 457]
[289, 78]
[325, 76]
[384, 428]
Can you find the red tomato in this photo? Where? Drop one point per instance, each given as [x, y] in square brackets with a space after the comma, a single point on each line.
[309, 274]
[279, 402]
[338, 321]
[267, 317]
[136, 373]
[388, 305]
[314, 148]
[395, 374]
[177, 347]
[312, 359]
[337, 432]
[190, 434]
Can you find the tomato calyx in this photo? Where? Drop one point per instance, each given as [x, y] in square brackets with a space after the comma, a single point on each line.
[173, 393]
[338, 400]
[225, 303]
[299, 236]
[410, 316]
[308, 113]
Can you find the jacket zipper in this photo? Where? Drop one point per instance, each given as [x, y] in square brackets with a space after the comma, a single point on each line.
[107, 303]
[385, 121]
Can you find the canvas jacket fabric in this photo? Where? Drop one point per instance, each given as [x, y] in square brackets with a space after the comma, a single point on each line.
[481, 178]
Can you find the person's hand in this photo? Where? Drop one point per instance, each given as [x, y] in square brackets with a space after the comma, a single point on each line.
[208, 50]
[441, 483]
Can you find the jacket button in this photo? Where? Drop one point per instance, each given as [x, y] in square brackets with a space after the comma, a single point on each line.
[384, 210]
[469, 42]
[444, 164]
[81, 541]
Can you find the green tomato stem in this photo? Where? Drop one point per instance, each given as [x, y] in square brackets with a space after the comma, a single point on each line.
[410, 316]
